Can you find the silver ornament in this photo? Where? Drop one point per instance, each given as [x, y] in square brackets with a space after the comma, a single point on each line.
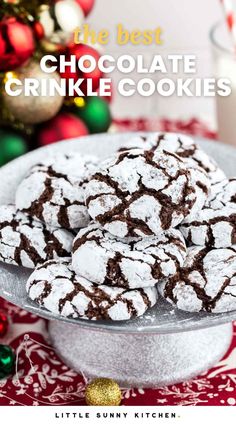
[59, 22]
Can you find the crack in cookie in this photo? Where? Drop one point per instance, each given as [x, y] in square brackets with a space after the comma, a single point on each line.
[105, 259]
[207, 282]
[26, 242]
[56, 287]
[141, 193]
[53, 191]
[182, 145]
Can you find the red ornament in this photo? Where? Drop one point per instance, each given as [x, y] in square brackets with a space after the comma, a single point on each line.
[3, 324]
[80, 50]
[38, 30]
[86, 5]
[16, 43]
[64, 126]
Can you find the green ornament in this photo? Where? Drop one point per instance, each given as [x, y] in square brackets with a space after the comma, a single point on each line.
[7, 361]
[95, 113]
[12, 145]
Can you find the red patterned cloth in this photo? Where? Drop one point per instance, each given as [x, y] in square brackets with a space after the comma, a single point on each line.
[192, 126]
[42, 379]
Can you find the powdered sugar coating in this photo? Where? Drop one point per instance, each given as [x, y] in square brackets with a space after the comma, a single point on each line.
[206, 283]
[215, 225]
[105, 259]
[185, 147]
[53, 191]
[209, 227]
[202, 187]
[56, 287]
[139, 194]
[135, 142]
[181, 144]
[26, 242]
[223, 194]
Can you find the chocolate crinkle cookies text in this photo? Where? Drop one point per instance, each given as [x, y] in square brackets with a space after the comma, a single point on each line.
[105, 237]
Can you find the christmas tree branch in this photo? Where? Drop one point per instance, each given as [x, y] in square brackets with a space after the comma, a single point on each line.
[21, 8]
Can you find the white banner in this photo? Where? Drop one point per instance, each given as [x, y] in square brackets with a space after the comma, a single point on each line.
[129, 414]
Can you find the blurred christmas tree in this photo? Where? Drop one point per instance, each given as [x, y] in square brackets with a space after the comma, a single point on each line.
[28, 30]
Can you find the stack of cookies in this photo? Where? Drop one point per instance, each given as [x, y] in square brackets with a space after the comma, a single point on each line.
[105, 238]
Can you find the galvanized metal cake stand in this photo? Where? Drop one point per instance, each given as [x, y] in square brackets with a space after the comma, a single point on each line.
[163, 347]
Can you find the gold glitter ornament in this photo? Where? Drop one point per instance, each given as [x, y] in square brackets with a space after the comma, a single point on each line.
[103, 392]
[32, 109]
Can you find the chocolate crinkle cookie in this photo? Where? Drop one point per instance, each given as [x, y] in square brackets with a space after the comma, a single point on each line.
[26, 242]
[141, 193]
[53, 190]
[131, 263]
[215, 224]
[209, 227]
[105, 237]
[186, 148]
[56, 287]
[207, 282]
[183, 146]
[223, 194]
